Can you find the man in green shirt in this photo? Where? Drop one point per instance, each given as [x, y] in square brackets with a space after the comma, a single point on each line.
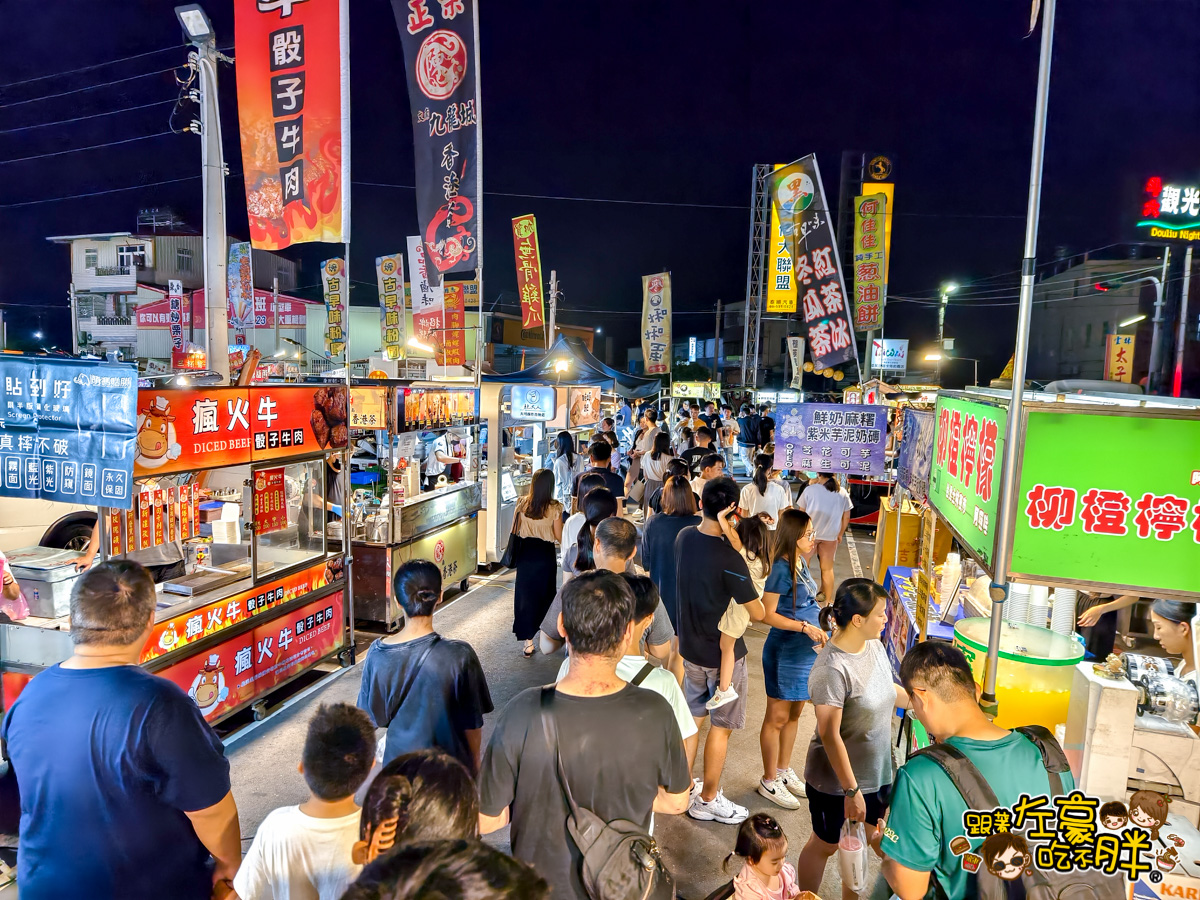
[926, 811]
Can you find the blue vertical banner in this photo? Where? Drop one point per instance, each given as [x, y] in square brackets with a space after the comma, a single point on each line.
[67, 430]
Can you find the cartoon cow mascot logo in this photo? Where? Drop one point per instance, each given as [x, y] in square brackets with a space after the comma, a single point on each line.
[156, 435]
[208, 687]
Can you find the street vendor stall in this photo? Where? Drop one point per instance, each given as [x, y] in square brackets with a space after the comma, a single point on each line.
[569, 389]
[407, 502]
[238, 485]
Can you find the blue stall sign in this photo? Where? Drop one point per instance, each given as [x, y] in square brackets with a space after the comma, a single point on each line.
[533, 403]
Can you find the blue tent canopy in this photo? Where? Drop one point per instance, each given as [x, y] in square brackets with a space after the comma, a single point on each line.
[583, 369]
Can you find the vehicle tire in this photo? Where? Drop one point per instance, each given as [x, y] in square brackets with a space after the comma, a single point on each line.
[464, 585]
[71, 536]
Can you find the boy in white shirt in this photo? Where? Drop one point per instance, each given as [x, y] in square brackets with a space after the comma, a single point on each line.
[305, 852]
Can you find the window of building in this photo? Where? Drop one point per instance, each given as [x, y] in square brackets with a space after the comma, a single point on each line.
[183, 259]
[1087, 335]
[131, 256]
[89, 258]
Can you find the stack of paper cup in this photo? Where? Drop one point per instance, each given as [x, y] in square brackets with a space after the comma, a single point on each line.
[1062, 618]
[1039, 605]
[1016, 608]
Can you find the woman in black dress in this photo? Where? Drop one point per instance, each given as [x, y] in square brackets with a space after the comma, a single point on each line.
[539, 524]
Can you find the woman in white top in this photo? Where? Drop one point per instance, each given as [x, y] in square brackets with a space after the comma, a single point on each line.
[764, 496]
[654, 466]
[1172, 620]
[567, 465]
[828, 505]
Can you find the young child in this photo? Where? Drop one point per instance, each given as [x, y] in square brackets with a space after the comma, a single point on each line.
[765, 875]
[751, 539]
[306, 850]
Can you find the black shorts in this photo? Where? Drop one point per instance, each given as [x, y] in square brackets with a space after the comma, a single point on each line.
[828, 811]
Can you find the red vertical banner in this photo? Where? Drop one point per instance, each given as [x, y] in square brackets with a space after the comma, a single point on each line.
[453, 343]
[115, 532]
[293, 83]
[172, 514]
[159, 500]
[529, 273]
[145, 520]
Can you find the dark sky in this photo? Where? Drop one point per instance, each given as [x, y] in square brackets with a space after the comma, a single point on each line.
[669, 102]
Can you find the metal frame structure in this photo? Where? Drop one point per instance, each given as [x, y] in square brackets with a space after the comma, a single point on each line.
[756, 264]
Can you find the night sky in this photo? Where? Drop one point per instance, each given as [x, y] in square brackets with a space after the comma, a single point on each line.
[666, 103]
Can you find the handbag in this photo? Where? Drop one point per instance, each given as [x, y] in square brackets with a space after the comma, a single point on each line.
[620, 860]
[512, 552]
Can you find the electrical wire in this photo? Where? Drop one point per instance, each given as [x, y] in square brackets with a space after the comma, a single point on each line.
[111, 112]
[132, 187]
[111, 62]
[144, 137]
[90, 87]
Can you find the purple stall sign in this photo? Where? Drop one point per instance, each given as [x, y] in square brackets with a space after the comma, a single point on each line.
[831, 437]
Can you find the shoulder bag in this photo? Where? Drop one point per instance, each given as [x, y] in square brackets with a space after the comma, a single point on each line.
[620, 860]
[513, 551]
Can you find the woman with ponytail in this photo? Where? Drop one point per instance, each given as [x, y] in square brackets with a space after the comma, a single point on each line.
[422, 796]
[849, 767]
[428, 692]
[765, 496]
[829, 505]
[598, 505]
[790, 600]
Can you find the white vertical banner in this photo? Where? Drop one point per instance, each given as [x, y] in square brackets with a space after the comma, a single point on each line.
[428, 299]
[656, 323]
[796, 354]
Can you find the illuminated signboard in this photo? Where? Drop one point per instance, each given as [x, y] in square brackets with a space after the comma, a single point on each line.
[1170, 211]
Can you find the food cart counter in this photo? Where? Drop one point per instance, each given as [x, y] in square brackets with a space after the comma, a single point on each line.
[408, 502]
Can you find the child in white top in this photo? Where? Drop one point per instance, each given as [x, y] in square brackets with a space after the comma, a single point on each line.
[751, 539]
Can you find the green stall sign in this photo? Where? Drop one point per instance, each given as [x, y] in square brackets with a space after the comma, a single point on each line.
[964, 480]
[1110, 500]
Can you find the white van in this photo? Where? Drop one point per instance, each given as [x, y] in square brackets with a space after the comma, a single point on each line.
[29, 523]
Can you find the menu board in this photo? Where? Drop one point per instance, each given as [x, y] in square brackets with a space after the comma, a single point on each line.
[270, 501]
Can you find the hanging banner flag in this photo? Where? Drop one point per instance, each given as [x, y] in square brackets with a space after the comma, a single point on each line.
[428, 300]
[656, 323]
[293, 93]
[443, 92]
[175, 313]
[870, 268]
[333, 278]
[529, 276]
[240, 281]
[799, 199]
[453, 340]
[389, 275]
[796, 353]
[781, 289]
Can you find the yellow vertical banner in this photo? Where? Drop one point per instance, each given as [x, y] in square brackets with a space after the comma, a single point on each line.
[870, 285]
[656, 323]
[781, 288]
[1118, 358]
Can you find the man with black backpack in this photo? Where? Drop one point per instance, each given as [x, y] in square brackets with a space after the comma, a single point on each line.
[992, 767]
[581, 766]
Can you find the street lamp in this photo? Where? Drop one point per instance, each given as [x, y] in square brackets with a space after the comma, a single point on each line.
[198, 28]
[938, 357]
[1132, 320]
[946, 290]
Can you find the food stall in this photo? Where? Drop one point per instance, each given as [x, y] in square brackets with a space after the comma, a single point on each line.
[236, 480]
[395, 512]
[569, 389]
[1082, 523]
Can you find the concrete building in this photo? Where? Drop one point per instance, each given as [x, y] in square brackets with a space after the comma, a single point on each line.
[1072, 317]
[113, 273]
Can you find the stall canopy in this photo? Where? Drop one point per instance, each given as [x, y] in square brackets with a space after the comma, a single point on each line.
[583, 368]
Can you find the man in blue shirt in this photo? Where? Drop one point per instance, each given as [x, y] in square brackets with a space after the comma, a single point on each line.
[124, 786]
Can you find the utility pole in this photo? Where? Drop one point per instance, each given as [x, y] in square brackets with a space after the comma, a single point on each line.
[275, 307]
[1181, 341]
[717, 346]
[212, 161]
[74, 301]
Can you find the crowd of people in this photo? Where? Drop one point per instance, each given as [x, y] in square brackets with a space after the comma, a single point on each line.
[125, 789]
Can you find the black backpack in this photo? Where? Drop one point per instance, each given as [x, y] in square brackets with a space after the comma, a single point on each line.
[620, 860]
[1087, 884]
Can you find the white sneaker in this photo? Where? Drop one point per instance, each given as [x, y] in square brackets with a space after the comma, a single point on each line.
[777, 793]
[719, 809]
[720, 698]
[790, 780]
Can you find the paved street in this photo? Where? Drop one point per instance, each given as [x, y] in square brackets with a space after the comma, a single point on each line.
[264, 761]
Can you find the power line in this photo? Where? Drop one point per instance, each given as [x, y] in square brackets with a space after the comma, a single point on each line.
[131, 140]
[111, 112]
[90, 87]
[111, 62]
[132, 187]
